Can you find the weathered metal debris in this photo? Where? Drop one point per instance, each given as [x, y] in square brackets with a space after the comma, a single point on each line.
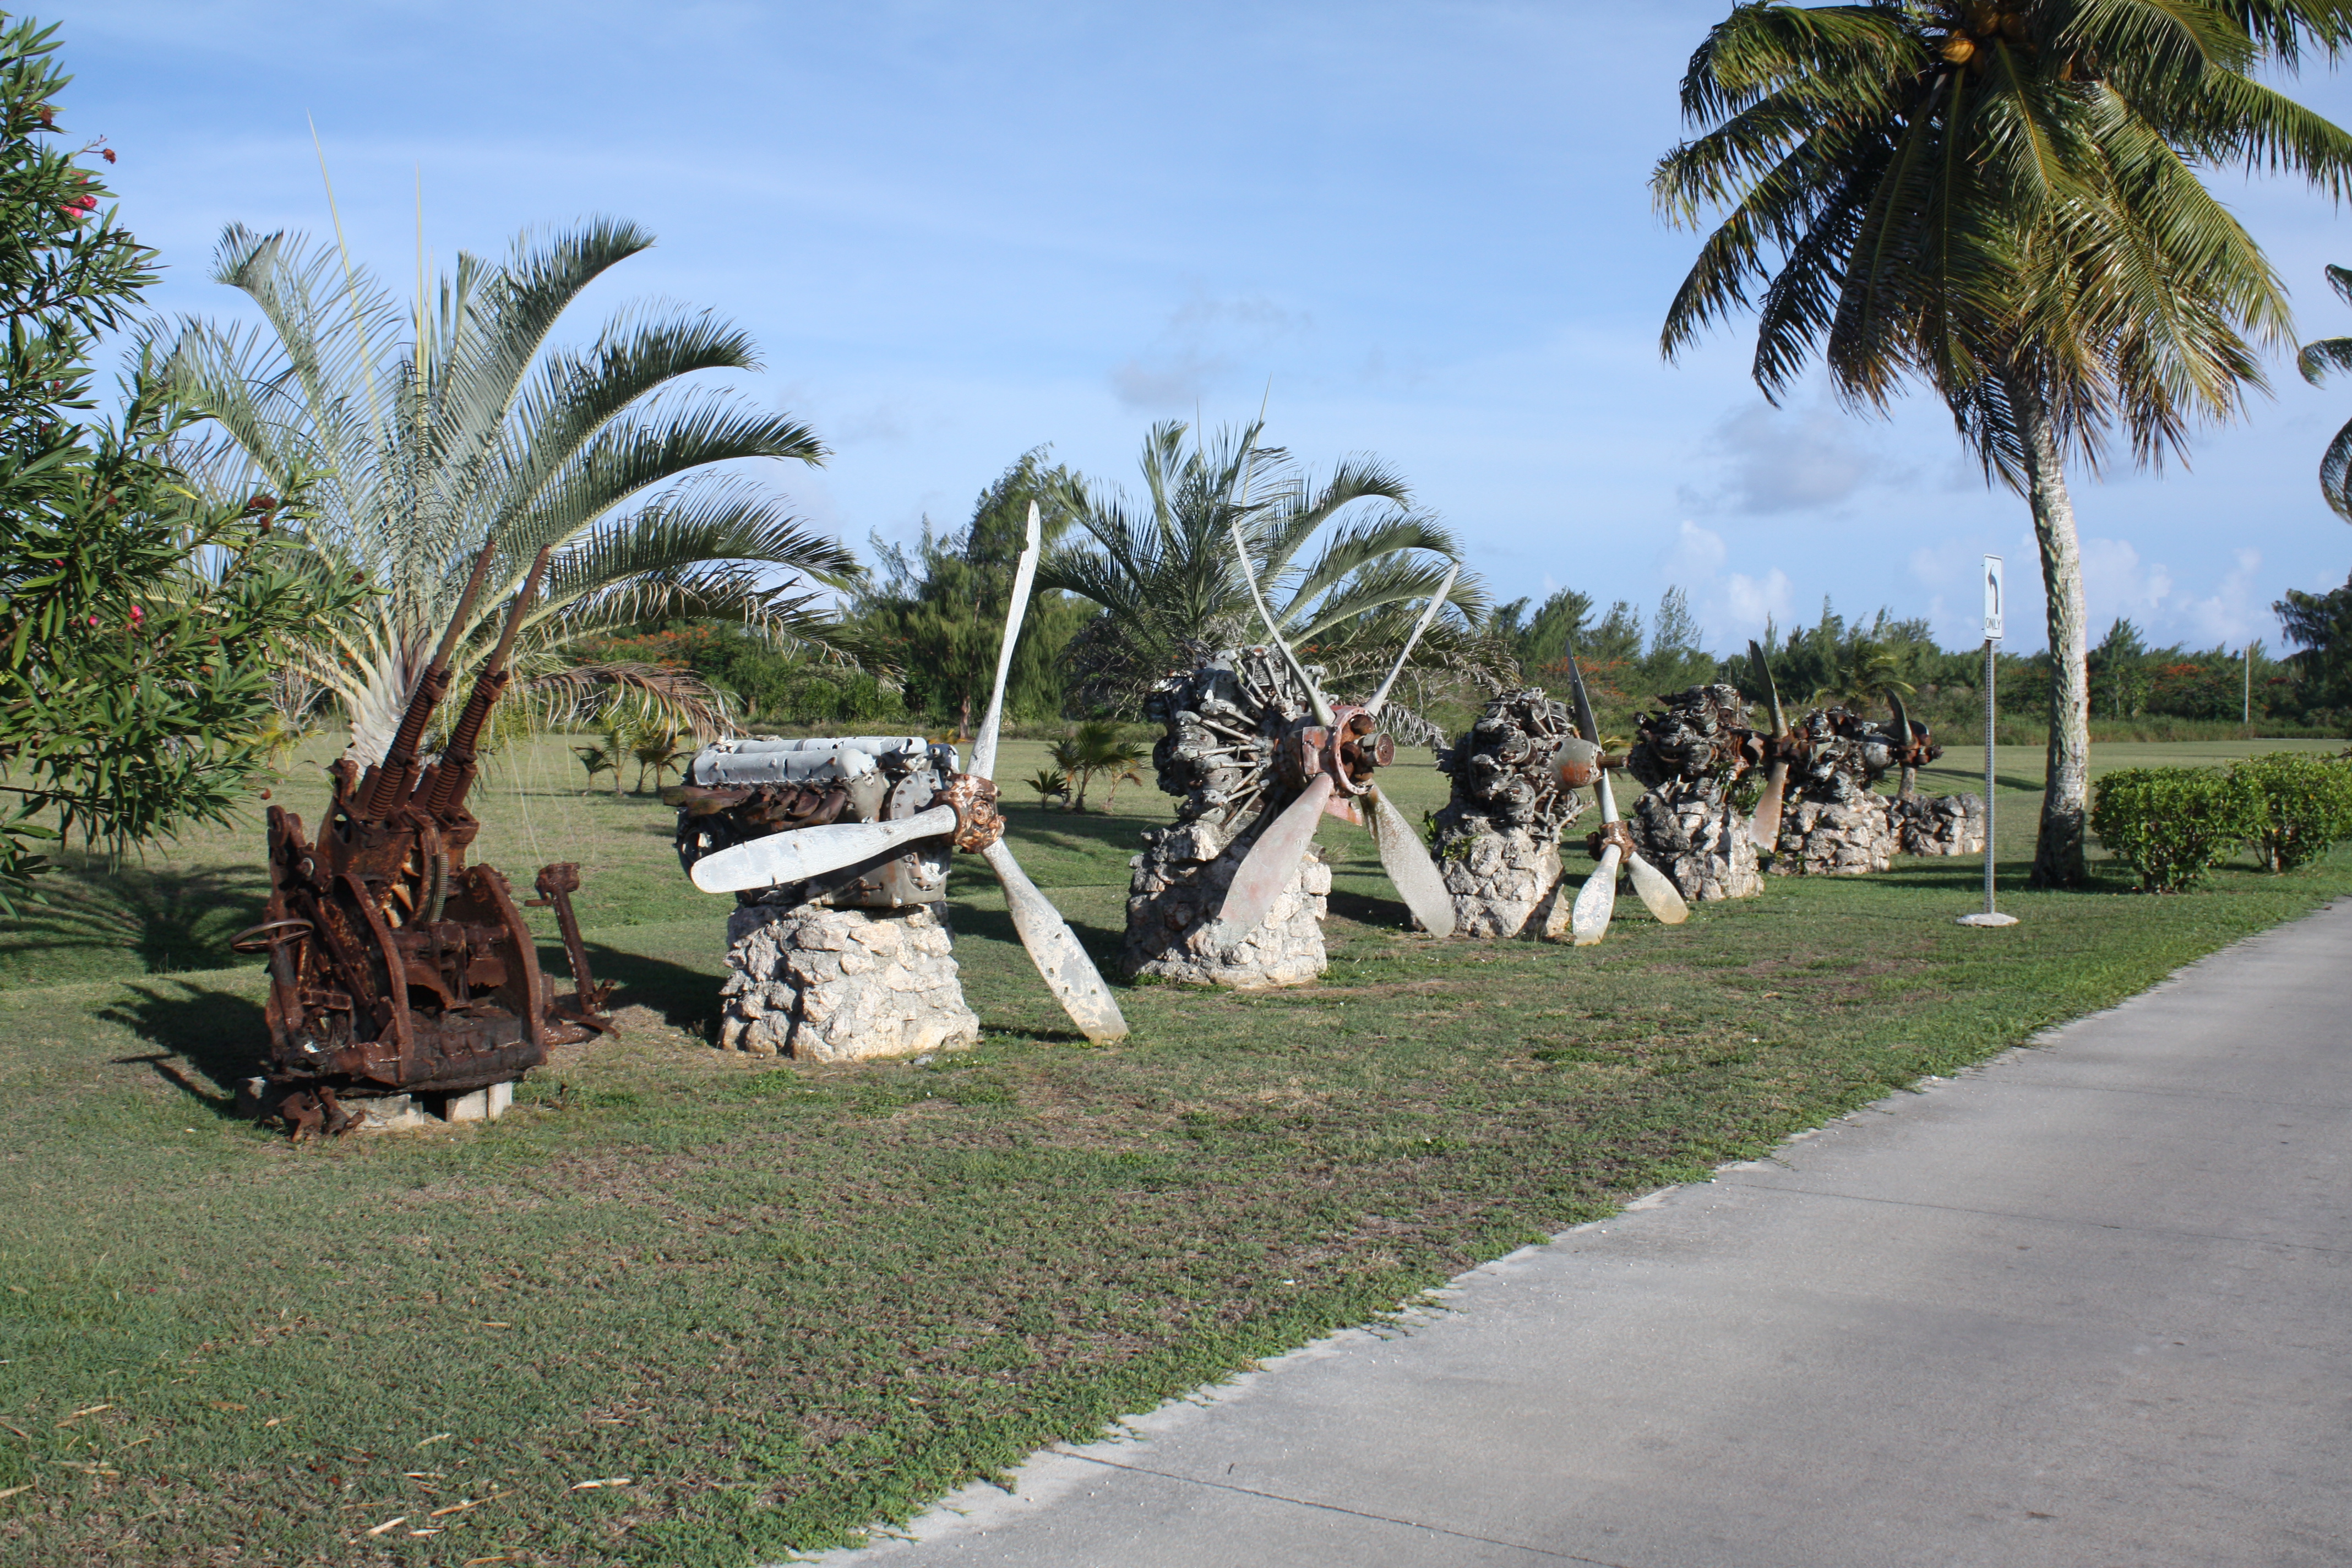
[1221, 726]
[853, 962]
[1692, 755]
[1284, 768]
[867, 824]
[1612, 846]
[395, 966]
[1497, 836]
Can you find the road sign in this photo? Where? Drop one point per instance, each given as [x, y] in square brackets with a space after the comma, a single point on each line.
[1994, 598]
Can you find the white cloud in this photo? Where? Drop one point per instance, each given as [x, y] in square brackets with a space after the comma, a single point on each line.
[1204, 340]
[1731, 607]
[2238, 610]
[2116, 582]
[1780, 459]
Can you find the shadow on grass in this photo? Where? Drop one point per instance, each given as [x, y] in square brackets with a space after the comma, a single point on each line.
[1076, 831]
[1102, 944]
[223, 1035]
[170, 921]
[686, 998]
[1380, 915]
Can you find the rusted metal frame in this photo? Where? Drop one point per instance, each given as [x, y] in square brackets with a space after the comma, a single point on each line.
[489, 887]
[555, 884]
[395, 997]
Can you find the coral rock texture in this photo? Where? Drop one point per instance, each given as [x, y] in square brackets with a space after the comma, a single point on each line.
[1940, 824]
[826, 984]
[1498, 840]
[1690, 756]
[1850, 837]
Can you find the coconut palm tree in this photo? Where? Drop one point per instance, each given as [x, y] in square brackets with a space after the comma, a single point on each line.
[2002, 200]
[416, 436]
[2316, 360]
[1164, 571]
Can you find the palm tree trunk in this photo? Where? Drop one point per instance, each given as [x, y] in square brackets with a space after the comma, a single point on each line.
[2067, 778]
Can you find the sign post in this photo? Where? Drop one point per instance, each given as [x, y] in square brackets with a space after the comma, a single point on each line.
[1995, 601]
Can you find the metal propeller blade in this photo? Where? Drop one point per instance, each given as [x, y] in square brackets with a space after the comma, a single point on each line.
[983, 749]
[1588, 921]
[1429, 613]
[1406, 860]
[782, 858]
[1272, 860]
[1257, 596]
[1659, 895]
[1764, 827]
[1053, 948]
[1657, 891]
[1061, 962]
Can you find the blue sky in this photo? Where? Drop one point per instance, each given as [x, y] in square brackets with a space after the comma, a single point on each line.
[959, 231]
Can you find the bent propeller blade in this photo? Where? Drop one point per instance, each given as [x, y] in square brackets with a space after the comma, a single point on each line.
[1061, 962]
[1429, 613]
[782, 858]
[1764, 827]
[1272, 860]
[983, 749]
[1406, 860]
[1257, 596]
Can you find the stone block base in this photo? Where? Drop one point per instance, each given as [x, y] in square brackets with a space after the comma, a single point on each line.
[1505, 881]
[1174, 889]
[1701, 843]
[1836, 838]
[831, 985]
[1940, 824]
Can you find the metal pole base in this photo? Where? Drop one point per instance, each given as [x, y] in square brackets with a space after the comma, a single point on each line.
[1984, 918]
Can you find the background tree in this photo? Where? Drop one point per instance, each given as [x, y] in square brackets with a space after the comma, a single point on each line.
[1163, 572]
[137, 625]
[2316, 360]
[1535, 638]
[2001, 201]
[2321, 625]
[432, 429]
[937, 611]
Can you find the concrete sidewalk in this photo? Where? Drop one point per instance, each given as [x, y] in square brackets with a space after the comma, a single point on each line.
[2091, 1304]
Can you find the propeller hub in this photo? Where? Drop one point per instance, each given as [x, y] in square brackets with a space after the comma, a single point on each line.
[1349, 753]
[1616, 833]
[973, 799]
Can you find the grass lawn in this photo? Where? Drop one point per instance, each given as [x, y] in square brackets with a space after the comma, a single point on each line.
[786, 1302]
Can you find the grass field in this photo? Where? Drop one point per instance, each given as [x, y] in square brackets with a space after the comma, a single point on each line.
[785, 1303]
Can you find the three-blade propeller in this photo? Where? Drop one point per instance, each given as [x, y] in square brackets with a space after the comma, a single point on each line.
[1596, 901]
[782, 858]
[1339, 753]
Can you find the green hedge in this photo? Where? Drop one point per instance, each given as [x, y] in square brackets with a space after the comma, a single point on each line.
[2172, 826]
[2302, 805]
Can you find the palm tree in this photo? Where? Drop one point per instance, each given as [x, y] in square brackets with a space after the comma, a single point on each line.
[2316, 360]
[1165, 574]
[2002, 200]
[1863, 671]
[418, 435]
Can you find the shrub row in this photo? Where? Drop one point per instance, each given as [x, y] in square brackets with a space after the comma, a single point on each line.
[2172, 826]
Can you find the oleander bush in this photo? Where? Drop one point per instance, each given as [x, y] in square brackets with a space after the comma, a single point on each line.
[2302, 805]
[2173, 825]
